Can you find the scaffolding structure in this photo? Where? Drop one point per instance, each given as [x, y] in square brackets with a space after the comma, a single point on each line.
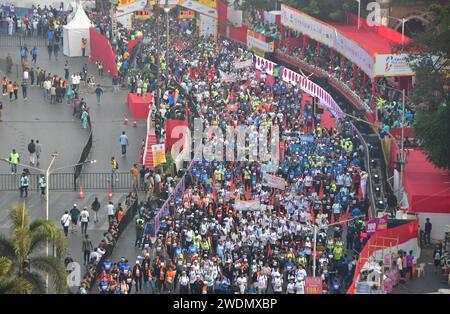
[379, 250]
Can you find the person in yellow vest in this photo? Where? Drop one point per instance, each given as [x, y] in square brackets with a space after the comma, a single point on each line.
[196, 239]
[10, 89]
[14, 159]
[338, 252]
[83, 46]
[205, 247]
[4, 86]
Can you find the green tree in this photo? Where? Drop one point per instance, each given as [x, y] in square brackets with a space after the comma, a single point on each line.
[23, 264]
[430, 60]
[328, 10]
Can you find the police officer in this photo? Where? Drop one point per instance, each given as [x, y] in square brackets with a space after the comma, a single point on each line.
[24, 184]
[42, 184]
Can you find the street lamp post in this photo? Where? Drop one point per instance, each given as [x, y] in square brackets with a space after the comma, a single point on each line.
[403, 20]
[315, 240]
[359, 12]
[167, 10]
[158, 61]
[47, 173]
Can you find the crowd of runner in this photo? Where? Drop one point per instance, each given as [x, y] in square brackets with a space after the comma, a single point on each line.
[207, 244]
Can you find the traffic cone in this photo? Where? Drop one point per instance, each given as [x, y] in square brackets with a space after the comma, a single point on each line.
[125, 120]
[110, 196]
[81, 192]
[134, 123]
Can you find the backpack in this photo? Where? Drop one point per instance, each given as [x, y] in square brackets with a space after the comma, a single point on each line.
[116, 165]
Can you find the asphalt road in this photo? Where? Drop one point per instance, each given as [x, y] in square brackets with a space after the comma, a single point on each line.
[56, 129]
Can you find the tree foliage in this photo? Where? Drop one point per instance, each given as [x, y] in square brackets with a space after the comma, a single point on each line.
[430, 61]
[327, 10]
[22, 263]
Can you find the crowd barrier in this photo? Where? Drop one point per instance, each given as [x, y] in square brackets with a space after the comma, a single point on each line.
[128, 216]
[383, 242]
[84, 155]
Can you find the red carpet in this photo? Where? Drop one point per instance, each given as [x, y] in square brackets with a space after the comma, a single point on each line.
[148, 158]
[428, 187]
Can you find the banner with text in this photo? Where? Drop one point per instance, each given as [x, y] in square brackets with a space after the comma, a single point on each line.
[273, 181]
[247, 205]
[202, 6]
[258, 41]
[313, 285]
[308, 25]
[159, 154]
[328, 35]
[208, 26]
[392, 65]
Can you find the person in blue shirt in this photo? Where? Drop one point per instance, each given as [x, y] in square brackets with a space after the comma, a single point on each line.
[124, 270]
[107, 266]
[123, 139]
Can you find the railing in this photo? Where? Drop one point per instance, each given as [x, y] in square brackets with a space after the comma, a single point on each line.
[64, 181]
[19, 39]
[127, 217]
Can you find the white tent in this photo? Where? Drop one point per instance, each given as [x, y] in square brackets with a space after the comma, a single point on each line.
[74, 32]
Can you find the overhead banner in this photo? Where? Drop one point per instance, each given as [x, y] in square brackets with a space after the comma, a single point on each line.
[247, 205]
[273, 181]
[392, 65]
[258, 41]
[163, 2]
[159, 154]
[306, 24]
[313, 285]
[208, 26]
[186, 15]
[207, 7]
[328, 35]
[354, 52]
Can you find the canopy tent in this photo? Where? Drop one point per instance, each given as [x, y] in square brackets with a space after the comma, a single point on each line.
[74, 32]
[428, 192]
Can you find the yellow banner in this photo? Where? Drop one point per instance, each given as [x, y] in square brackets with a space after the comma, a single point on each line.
[159, 154]
[187, 15]
[209, 3]
[142, 15]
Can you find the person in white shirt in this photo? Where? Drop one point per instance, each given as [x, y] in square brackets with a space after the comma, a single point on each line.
[65, 222]
[110, 211]
[242, 283]
[262, 283]
[300, 274]
[290, 289]
[277, 285]
[84, 218]
[300, 287]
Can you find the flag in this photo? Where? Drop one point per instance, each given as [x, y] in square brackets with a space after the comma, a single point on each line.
[159, 154]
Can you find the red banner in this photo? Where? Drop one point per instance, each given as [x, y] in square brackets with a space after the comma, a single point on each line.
[170, 126]
[397, 132]
[313, 285]
[101, 50]
[131, 44]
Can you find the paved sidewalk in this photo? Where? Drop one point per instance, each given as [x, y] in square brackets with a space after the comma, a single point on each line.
[430, 283]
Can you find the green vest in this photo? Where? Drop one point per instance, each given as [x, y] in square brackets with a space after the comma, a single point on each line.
[14, 158]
